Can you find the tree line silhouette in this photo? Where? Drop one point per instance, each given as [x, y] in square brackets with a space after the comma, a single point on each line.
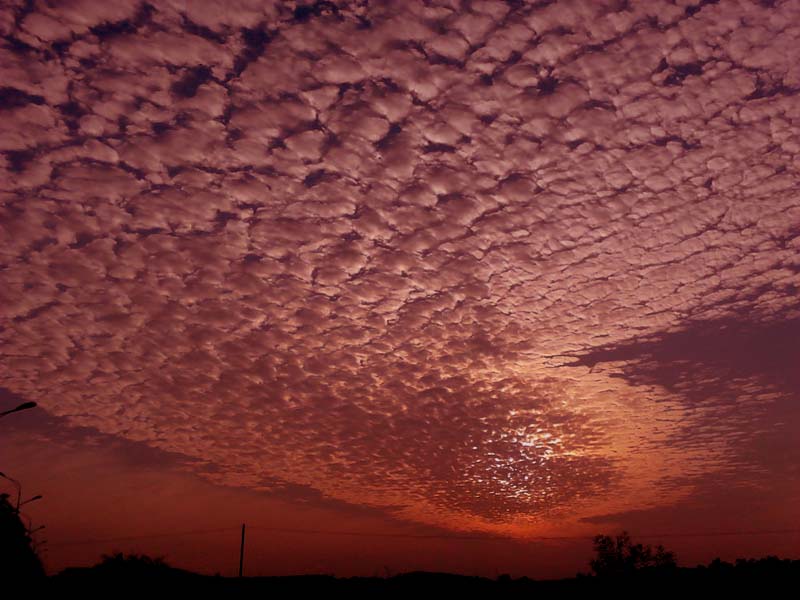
[620, 557]
[618, 562]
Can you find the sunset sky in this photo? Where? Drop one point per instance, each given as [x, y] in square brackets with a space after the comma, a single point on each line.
[402, 285]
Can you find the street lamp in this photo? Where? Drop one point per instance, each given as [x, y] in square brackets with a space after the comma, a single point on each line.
[23, 406]
[36, 497]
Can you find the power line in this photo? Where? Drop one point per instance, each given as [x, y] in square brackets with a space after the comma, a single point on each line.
[720, 533]
[380, 534]
[535, 538]
[132, 538]
[455, 537]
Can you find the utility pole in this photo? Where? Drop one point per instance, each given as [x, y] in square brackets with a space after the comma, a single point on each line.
[241, 553]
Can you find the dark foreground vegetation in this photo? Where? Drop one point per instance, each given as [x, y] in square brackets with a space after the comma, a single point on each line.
[754, 576]
[619, 566]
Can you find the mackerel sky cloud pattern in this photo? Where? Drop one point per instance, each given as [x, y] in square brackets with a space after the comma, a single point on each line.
[488, 266]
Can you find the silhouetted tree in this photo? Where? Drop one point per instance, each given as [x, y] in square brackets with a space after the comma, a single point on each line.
[131, 565]
[619, 556]
[18, 558]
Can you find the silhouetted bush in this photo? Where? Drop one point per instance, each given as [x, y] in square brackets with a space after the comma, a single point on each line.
[132, 563]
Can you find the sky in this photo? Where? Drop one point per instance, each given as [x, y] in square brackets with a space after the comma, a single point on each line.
[402, 285]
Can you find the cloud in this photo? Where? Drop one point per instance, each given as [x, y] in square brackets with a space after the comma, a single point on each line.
[736, 384]
[354, 247]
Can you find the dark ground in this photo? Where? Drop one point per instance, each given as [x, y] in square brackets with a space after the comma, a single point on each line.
[768, 577]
